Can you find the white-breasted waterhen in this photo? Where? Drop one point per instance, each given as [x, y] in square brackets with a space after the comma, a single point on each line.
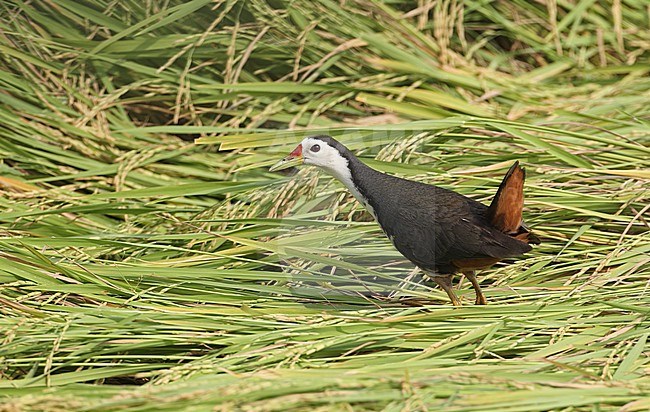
[440, 231]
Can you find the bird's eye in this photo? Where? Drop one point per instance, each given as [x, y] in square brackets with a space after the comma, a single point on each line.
[315, 148]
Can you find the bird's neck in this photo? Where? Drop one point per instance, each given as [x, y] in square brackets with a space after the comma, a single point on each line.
[352, 172]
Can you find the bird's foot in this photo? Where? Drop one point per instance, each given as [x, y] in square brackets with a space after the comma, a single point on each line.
[480, 299]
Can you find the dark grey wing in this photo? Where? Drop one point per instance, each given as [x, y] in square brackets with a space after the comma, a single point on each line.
[432, 234]
[474, 234]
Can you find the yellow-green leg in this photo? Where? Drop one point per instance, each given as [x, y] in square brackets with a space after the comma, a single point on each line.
[480, 297]
[444, 281]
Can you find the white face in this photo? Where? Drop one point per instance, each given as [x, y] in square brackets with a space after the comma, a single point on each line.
[316, 152]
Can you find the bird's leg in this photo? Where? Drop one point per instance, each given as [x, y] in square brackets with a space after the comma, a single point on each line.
[444, 282]
[480, 297]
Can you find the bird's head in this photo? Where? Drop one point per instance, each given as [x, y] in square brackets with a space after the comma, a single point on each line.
[321, 151]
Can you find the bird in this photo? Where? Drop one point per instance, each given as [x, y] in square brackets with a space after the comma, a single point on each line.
[440, 231]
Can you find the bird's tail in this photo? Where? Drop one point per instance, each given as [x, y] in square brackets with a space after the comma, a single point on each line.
[505, 211]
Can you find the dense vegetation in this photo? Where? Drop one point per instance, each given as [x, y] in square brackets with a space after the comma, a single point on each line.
[149, 260]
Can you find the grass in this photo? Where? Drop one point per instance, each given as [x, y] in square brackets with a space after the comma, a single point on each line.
[149, 260]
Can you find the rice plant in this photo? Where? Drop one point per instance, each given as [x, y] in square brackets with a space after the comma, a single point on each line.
[150, 261]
